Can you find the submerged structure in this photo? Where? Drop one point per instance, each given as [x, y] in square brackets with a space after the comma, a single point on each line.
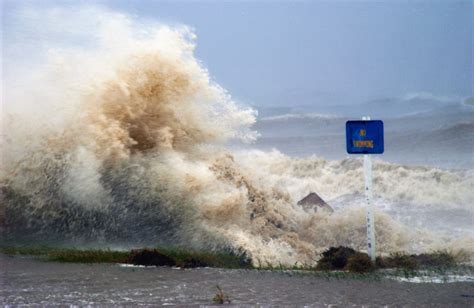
[313, 202]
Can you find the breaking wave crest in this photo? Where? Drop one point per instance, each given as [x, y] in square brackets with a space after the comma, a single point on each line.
[296, 116]
[136, 154]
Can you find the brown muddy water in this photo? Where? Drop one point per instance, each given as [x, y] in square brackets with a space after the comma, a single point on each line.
[28, 281]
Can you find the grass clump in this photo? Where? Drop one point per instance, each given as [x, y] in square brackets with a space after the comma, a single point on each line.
[359, 263]
[148, 257]
[222, 259]
[335, 258]
[220, 297]
[69, 255]
[345, 258]
[348, 259]
[29, 251]
[398, 260]
[438, 259]
[89, 256]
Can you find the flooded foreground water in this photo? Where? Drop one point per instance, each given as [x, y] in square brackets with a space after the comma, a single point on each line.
[31, 281]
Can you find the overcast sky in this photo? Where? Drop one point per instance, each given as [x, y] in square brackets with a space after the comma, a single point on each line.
[268, 52]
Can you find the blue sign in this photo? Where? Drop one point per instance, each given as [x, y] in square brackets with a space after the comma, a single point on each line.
[364, 137]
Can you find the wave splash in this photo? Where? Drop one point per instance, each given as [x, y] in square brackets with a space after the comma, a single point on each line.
[138, 157]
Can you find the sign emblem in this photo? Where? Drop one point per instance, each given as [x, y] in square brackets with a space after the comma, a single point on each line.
[364, 137]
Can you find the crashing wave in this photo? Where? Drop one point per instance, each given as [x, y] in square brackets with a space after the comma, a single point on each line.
[136, 155]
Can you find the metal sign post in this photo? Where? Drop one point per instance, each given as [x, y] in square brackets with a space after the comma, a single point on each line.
[370, 206]
[366, 137]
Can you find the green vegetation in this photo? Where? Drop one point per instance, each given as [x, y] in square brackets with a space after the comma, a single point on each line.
[347, 259]
[150, 257]
[439, 259]
[69, 255]
[359, 263]
[90, 256]
[335, 258]
[158, 257]
[336, 262]
[345, 262]
[221, 259]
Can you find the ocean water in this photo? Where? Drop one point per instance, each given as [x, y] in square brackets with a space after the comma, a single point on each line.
[431, 135]
[30, 282]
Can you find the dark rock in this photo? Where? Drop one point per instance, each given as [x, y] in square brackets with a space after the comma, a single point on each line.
[150, 257]
[313, 202]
